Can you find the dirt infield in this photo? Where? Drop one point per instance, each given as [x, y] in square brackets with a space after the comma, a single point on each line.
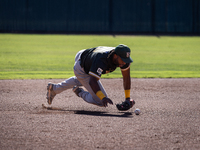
[169, 119]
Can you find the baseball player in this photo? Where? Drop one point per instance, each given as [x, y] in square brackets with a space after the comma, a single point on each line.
[89, 65]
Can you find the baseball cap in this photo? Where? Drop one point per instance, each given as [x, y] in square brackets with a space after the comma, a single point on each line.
[124, 52]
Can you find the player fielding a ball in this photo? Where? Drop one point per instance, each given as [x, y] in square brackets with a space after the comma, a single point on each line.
[89, 65]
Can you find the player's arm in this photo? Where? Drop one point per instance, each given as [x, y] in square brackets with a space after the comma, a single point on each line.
[126, 81]
[96, 89]
[128, 103]
[94, 84]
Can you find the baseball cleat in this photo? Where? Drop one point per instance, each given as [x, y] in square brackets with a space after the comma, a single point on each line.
[50, 93]
[77, 90]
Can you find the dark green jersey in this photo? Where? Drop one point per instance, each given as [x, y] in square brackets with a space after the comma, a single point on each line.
[98, 61]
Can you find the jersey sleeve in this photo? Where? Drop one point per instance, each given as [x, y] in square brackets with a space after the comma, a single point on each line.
[125, 67]
[97, 68]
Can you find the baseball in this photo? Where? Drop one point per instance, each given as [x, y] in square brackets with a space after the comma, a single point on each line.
[137, 111]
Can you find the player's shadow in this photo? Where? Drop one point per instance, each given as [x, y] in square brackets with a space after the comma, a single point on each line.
[104, 114]
[91, 113]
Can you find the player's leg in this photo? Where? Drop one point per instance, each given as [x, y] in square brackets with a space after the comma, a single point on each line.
[53, 89]
[67, 84]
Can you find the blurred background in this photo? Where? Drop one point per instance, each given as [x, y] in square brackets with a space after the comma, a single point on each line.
[100, 16]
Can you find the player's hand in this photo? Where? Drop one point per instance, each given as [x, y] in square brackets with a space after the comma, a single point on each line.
[106, 100]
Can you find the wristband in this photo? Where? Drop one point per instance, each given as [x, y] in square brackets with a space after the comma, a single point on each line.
[127, 93]
[100, 94]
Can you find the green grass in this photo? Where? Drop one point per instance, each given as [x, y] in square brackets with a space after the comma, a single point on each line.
[52, 56]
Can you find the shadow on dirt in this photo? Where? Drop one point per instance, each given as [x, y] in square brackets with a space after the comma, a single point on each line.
[104, 114]
[90, 113]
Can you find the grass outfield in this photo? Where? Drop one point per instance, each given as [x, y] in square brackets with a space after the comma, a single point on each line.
[25, 56]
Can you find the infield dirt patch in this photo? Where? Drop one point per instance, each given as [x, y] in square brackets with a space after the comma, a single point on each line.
[169, 119]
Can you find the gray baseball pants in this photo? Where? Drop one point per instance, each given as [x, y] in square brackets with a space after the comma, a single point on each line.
[80, 79]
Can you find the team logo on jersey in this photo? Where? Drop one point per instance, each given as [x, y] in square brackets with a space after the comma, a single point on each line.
[128, 54]
[99, 71]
